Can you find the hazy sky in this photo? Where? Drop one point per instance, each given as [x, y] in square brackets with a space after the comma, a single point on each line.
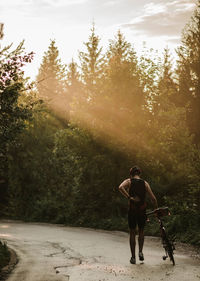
[158, 22]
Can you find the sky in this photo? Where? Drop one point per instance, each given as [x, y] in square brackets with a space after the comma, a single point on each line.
[158, 22]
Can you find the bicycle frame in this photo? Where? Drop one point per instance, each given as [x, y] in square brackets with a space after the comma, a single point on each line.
[167, 244]
[163, 237]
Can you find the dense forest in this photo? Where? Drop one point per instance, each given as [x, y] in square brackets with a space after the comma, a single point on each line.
[69, 139]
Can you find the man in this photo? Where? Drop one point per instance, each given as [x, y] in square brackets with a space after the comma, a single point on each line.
[135, 189]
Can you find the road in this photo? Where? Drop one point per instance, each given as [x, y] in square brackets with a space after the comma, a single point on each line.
[50, 252]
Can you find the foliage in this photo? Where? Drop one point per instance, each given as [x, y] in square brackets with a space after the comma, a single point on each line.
[4, 255]
[12, 113]
[91, 62]
[31, 163]
[51, 82]
[189, 72]
[51, 73]
[122, 110]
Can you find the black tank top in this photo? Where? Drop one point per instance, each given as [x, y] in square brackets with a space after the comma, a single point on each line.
[137, 188]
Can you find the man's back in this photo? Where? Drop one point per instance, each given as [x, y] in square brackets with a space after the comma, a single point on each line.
[137, 188]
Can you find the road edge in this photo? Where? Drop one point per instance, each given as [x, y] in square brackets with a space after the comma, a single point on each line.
[6, 270]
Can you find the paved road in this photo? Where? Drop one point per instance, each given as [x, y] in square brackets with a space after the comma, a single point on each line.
[56, 253]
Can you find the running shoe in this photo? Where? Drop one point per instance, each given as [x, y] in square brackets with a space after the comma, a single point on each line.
[141, 256]
[132, 260]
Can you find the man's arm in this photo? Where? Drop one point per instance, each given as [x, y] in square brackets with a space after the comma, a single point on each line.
[124, 187]
[151, 195]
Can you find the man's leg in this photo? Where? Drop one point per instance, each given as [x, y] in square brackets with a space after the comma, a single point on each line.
[141, 239]
[141, 225]
[132, 244]
[132, 227]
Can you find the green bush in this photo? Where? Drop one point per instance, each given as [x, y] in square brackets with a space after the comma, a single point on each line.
[4, 255]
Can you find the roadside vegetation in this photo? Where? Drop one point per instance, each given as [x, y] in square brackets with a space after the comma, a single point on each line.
[68, 141]
[4, 255]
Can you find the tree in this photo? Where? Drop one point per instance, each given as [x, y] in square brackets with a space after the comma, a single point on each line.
[51, 82]
[73, 76]
[91, 66]
[167, 90]
[13, 114]
[121, 106]
[74, 87]
[189, 73]
[123, 72]
[91, 63]
[32, 172]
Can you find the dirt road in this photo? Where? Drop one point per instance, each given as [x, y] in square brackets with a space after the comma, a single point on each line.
[56, 253]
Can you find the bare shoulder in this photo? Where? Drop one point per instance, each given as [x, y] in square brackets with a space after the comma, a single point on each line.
[148, 188]
[147, 185]
[125, 183]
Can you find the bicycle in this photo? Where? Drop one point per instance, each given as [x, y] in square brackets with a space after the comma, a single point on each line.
[168, 244]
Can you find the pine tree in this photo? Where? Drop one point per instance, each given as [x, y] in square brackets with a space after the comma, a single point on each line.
[120, 49]
[189, 73]
[73, 80]
[123, 72]
[91, 63]
[91, 71]
[51, 74]
[73, 76]
[51, 82]
[167, 92]
[116, 105]
[74, 87]
[123, 93]
[168, 120]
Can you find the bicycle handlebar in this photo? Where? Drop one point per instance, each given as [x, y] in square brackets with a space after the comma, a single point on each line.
[159, 212]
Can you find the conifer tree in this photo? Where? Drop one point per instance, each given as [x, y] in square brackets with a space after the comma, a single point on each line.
[74, 87]
[189, 73]
[122, 91]
[165, 100]
[91, 71]
[73, 79]
[123, 71]
[51, 74]
[168, 121]
[91, 63]
[73, 76]
[51, 82]
[120, 49]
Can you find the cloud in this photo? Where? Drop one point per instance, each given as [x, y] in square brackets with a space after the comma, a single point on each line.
[64, 3]
[174, 40]
[110, 3]
[45, 12]
[38, 7]
[162, 19]
[42, 2]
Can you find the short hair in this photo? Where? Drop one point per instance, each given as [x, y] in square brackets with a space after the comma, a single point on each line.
[135, 171]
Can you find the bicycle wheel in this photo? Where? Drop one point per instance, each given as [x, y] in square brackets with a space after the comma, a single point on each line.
[167, 246]
[170, 252]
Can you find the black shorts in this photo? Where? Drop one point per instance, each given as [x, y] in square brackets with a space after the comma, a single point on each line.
[136, 218]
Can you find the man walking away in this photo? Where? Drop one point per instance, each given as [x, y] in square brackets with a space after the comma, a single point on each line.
[135, 189]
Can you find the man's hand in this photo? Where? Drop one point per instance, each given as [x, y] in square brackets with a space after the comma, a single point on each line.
[135, 199]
